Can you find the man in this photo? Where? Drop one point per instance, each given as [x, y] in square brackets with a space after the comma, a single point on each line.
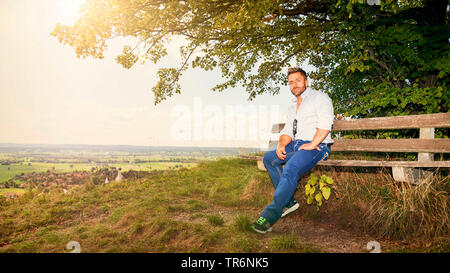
[304, 141]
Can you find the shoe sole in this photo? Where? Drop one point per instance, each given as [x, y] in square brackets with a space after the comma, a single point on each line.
[291, 209]
[262, 232]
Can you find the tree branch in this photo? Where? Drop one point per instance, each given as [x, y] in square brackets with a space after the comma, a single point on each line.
[383, 65]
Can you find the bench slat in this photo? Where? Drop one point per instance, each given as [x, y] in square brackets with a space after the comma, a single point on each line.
[440, 120]
[368, 163]
[437, 145]
[415, 145]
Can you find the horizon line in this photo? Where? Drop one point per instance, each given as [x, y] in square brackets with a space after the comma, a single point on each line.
[129, 145]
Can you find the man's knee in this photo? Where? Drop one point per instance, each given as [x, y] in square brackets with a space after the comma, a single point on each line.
[269, 157]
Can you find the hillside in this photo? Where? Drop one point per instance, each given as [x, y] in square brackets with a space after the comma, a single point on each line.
[209, 208]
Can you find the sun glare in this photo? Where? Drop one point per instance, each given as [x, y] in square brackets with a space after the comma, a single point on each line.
[68, 10]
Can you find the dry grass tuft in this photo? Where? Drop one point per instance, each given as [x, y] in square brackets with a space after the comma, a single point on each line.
[258, 192]
[377, 204]
[414, 211]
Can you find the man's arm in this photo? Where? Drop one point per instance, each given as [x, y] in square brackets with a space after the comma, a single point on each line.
[320, 135]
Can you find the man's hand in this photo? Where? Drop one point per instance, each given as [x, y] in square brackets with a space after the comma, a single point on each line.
[318, 138]
[281, 152]
[309, 146]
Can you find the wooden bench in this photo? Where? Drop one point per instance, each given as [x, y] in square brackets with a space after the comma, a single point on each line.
[405, 171]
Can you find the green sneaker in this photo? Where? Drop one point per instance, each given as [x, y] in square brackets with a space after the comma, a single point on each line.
[290, 208]
[261, 225]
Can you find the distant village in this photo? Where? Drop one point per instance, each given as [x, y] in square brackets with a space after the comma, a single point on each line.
[49, 179]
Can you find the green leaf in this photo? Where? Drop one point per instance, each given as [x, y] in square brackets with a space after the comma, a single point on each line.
[318, 197]
[322, 184]
[313, 179]
[326, 191]
[307, 189]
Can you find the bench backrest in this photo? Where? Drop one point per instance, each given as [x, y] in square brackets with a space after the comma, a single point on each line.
[425, 144]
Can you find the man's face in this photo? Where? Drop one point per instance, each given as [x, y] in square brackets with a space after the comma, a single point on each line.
[297, 83]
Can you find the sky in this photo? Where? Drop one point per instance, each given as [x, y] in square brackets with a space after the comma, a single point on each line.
[49, 96]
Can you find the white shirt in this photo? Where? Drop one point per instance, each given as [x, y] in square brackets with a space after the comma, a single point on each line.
[315, 111]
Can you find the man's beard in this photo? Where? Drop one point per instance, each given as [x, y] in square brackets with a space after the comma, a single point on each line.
[298, 91]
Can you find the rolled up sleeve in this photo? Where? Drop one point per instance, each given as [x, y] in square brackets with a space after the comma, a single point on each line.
[325, 113]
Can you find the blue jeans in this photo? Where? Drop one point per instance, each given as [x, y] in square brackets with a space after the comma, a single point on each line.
[285, 180]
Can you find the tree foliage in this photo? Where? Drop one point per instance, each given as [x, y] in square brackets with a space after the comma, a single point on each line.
[388, 58]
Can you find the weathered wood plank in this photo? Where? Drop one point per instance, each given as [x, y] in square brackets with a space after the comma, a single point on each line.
[277, 127]
[413, 145]
[369, 163]
[440, 120]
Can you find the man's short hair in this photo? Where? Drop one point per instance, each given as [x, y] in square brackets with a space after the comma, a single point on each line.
[295, 70]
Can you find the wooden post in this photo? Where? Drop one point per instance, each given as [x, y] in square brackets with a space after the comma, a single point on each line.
[261, 166]
[415, 175]
[425, 133]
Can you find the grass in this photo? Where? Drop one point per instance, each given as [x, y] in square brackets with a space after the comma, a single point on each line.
[390, 209]
[407, 210]
[216, 220]
[209, 208]
[291, 243]
[113, 217]
[242, 223]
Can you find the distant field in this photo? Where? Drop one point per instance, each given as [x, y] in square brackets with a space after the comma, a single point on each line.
[39, 167]
[153, 166]
[17, 191]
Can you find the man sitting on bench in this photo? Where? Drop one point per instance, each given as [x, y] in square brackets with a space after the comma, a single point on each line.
[304, 141]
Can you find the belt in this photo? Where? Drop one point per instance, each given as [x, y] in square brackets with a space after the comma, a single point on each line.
[328, 144]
